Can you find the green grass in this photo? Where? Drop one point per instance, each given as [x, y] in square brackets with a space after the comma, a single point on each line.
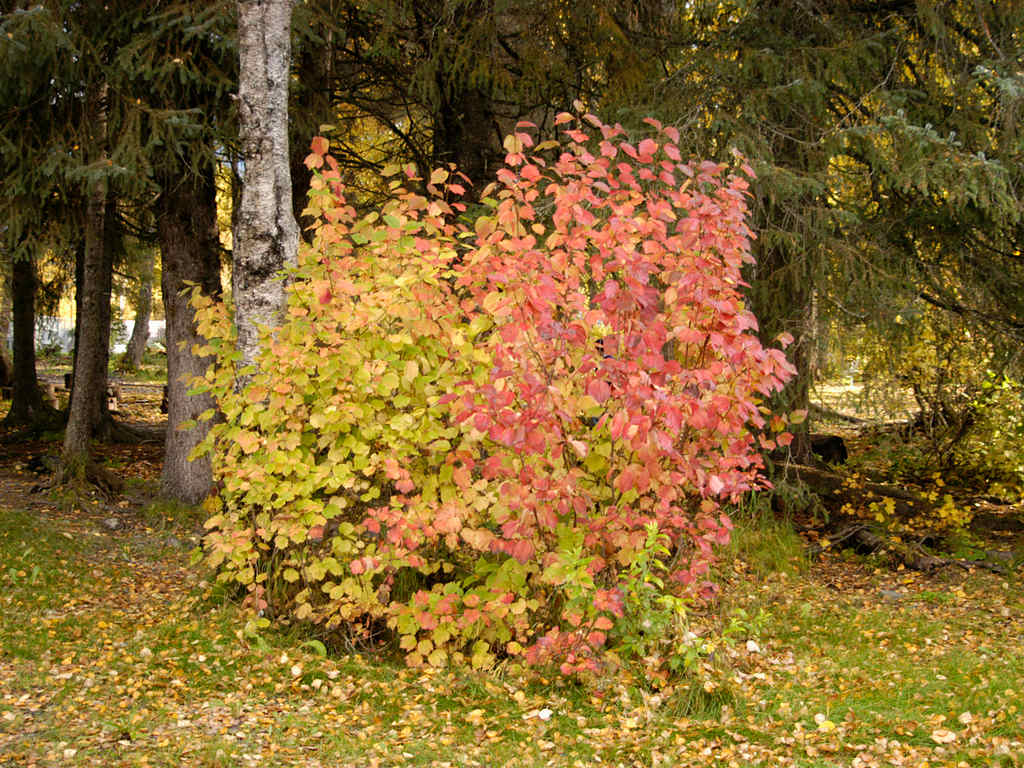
[113, 652]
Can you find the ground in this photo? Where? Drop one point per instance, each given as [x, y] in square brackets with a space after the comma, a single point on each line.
[115, 652]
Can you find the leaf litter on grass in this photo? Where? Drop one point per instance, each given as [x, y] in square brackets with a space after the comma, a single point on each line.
[115, 653]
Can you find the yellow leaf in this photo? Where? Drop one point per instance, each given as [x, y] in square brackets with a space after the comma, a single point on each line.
[412, 370]
[491, 301]
[248, 442]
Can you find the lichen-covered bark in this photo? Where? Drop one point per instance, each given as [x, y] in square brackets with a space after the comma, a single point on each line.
[189, 247]
[266, 235]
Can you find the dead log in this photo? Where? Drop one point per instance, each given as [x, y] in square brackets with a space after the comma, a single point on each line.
[909, 554]
[839, 497]
[836, 490]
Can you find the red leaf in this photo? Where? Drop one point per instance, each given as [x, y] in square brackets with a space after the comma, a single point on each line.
[319, 145]
[647, 149]
[599, 390]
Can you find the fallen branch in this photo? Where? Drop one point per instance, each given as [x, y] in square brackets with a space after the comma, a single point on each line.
[835, 490]
[909, 554]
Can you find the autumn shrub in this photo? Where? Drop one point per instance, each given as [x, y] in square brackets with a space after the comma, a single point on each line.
[501, 438]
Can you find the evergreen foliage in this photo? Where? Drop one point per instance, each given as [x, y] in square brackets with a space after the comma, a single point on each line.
[445, 80]
[888, 152]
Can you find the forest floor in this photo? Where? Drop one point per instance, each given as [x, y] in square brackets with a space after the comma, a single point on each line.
[115, 652]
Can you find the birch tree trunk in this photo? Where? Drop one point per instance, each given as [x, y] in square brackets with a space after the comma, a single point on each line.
[266, 235]
[189, 247]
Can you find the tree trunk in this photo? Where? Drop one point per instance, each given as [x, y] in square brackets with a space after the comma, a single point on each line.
[189, 249]
[27, 404]
[465, 134]
[783, 302]
[5, 331]
[143, 308]
[266, 235]
[311, 94]
[88, 393]
[463, 120]
[79, 281]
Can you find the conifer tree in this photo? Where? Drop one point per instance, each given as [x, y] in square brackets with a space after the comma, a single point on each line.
[181, 65]
[886, 141]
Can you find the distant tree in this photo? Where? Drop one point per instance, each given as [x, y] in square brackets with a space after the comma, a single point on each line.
[134, 105]
[92, 336]
[143, 306]
[36, 73]
[27, 404]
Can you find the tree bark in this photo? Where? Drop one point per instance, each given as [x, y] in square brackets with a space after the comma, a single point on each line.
[143, 309]
[27, 404]
[5, 330]
[464, 123]
[311, 95]
[782, 299]
[189, 249]
[465, 134]
[266, 235]
[835, 491]
[88, 393]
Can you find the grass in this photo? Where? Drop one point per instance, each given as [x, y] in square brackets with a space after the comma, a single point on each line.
[114, 653]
